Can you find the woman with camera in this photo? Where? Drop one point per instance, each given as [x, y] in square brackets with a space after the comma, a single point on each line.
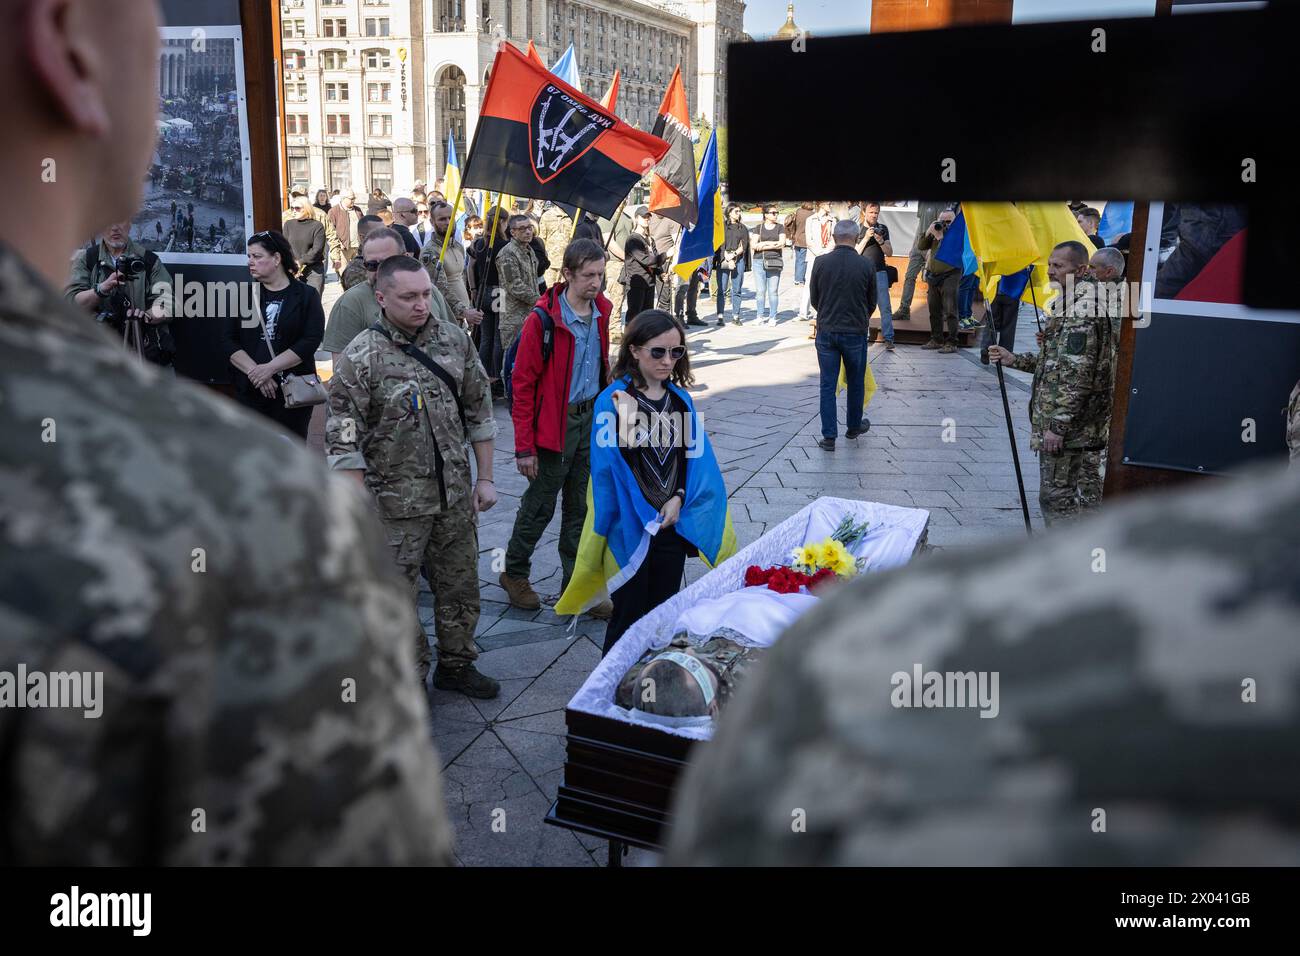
[280, 339]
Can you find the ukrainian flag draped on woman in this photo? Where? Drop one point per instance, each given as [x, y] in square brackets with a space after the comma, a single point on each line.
[617, 531]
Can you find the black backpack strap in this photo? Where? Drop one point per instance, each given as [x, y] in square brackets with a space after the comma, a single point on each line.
[548, 333]
[423, 358]
[92, 259]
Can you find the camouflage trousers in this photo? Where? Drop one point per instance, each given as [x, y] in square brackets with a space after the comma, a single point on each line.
[615, 291]
[1068, 484]
[447, 546]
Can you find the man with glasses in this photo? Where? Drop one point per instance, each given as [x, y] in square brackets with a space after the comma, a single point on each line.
[404, 217]
[769, 245]
[355, 273]
[357, 309]
[423, 227]
[517, 272]
[447, 267]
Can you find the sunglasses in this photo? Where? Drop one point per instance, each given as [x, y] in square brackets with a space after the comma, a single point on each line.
[259, 236]
[372, 265]
[658, 352]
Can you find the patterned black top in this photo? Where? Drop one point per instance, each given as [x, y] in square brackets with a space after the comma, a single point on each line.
[656, 450]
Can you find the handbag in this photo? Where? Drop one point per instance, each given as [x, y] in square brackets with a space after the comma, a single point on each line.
[299, 391]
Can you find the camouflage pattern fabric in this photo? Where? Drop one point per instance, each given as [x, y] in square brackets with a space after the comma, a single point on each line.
[615, 291]
[1293, 423]
[1069, 483]
[396, 420]
[517, 271]
[1147, 714]
[1073, 370]
[354, 273]
[554, 229]
[730, 662]
[447, 545]
[257, 703]
[449, 276]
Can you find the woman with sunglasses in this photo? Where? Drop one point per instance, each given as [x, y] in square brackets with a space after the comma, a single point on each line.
[288, 313]
[654, 466]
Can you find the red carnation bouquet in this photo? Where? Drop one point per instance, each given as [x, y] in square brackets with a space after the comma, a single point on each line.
[785, 580]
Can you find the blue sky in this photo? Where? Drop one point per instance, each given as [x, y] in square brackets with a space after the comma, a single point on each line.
[764, 17]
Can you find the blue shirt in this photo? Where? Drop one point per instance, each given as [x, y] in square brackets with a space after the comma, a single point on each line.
[585, 382]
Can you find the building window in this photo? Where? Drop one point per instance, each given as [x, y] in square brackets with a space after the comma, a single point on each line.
[378, 60]
[335, 28]
[299, 166]
[295, 60]
[293, 29]
[336, 93]
[295, 92]
[377, 26]
[379, 92]
[381, 124]
[338, 124]
[296, 124]
[338, 167]
[333, 60]
[381, 169]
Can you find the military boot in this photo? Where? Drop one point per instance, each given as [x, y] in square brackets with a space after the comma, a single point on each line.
[602, 611]
[465, 680]
[520, 592]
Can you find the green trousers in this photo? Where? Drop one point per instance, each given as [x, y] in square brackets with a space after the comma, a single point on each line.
[557, 474]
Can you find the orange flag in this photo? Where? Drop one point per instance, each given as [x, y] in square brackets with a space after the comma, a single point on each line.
[610, 102]
[673, 186]
[534, 55]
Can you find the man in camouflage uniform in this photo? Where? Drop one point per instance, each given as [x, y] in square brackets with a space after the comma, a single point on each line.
[615, 291]
[239, 603]
[555, 229]
[402, 427]
[331, 237]
[517, 271]
[1146, 716]
[1070, 405]
[448, 270]
[1107, 267]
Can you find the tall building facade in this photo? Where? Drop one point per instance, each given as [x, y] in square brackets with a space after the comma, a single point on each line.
[374, 88]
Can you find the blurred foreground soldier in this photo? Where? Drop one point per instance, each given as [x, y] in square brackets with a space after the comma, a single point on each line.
[407, 399]
[227, 610]
[1123, 728]
[1069, 408]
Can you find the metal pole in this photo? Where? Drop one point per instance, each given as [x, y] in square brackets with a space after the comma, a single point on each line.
[1015, 454]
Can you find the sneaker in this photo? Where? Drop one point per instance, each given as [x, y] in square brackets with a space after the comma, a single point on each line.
[465, 680]
[520, 593]
[697, 322]
[889, 345]
[947, 348]
[826, 444]
[932, 344]
[812, 333]
[736, 321]
[602, 611]
[855, 432]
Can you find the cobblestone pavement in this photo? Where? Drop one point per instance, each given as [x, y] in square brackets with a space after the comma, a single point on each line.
[758, 397]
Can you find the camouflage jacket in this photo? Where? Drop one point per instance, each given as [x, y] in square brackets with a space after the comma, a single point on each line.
[449, 277]
[259, 702]
[392, 417]
[354, 273]
[517, 273]
[1073, 370]
[331, 237]
[729, 661]
[554, 230]
[1134, 724]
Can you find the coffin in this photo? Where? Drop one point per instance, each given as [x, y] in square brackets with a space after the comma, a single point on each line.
[620, 770]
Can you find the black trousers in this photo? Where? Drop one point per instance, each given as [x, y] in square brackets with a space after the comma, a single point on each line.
[296, 420]
[687, 296]
[1003, 312]
[658, 579]
[640, 296]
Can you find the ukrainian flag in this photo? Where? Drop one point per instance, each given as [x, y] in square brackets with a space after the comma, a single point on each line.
[617, 530]
[703, 239]
[451, 186]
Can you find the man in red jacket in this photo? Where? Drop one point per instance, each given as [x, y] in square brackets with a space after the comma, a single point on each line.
[552, 408]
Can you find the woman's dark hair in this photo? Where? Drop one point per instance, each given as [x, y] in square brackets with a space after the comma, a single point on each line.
[274, 242]
[733, 207]
[648, 325]
[320, 193]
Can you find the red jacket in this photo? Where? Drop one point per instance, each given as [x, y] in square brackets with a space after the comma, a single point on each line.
[541, 394]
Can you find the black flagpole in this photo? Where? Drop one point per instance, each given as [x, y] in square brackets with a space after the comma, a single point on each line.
[1006, 411]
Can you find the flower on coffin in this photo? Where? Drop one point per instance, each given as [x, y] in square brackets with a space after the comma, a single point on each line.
[820, 581]
[829, 553]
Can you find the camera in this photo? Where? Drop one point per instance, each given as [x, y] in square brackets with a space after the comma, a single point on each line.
[938, 224]
[130, 267]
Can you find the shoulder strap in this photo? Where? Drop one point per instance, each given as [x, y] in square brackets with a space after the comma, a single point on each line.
[548, 333]
[92, 258]
[423, 358]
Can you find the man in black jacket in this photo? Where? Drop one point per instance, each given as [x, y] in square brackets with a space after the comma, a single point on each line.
[842, 291]
[641, 266]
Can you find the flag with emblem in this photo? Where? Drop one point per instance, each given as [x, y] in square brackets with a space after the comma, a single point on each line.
[537, 136]
[673, 193]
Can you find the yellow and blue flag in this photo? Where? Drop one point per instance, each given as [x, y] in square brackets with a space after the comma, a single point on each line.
[451, 184]
[1000, 238]
[704, 238]
[1050, 223]
[617, 531]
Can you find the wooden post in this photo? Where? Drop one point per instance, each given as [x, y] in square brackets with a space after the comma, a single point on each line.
[262, 57]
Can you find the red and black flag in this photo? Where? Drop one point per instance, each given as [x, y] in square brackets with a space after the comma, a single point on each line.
[539, 137]
[672, 191]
